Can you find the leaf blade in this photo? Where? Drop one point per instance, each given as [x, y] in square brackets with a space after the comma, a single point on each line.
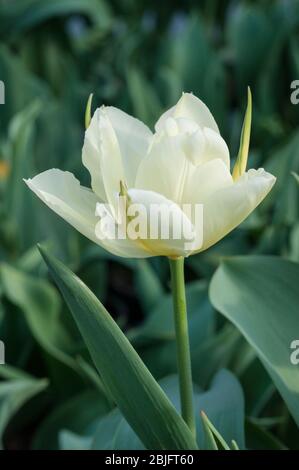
[265, 290]
[159, 426]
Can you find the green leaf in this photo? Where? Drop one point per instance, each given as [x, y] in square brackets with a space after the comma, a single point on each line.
[145, 101]
[155, 338]
[250, 36]
[210, 443]
[8, 372]
[31, 13]
[69, 440]
[234, 445]
[21, 133]
[257, 384]
[13, 395]
[200, 72]
[160, 323]
[260, 296]
[214, 352]
[40, 304]
[93, 377]
[114, 433]
[15, 74]
[212, 435]
[223, 402]
[130, 383]
[294, 243]
[148, 286]
[284, 196]
[258, 438]
[77, 414]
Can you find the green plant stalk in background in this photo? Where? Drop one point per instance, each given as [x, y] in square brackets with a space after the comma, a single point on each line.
[182, 341]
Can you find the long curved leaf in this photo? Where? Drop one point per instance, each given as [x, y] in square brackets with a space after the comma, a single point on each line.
[137, 394]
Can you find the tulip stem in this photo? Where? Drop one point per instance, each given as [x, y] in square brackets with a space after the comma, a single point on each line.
[182, 341]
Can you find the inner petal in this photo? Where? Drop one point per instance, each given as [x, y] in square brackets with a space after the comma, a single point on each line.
[205, 180]
[165, 168]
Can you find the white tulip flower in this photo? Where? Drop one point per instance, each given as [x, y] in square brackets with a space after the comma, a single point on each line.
[186, 161]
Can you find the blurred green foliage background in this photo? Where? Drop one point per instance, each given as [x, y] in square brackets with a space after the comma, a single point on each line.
[138, 56]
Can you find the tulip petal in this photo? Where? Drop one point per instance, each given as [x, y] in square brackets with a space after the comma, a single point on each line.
[207, 179]
[165, 168]
[118, 140]
[164, 218]
[215, 147]
[133, 139]
[111, 162]
[172, 161]
[190, 107]
[227, 208]
[62, 192]
[199, 144]
[91, 155]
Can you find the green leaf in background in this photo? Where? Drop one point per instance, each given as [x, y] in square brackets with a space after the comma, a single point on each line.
[200, 73]
[260, 439]
[284, 196]
[22, 87]
[114, 433]
[148, 285]
[77, 415]
[40, 304]
[214, 352]
[258, 386]
[155, 338]
[160, 324]
[128, 380]
[13, 394]
[249, 23]
[71, 441]
[21, 16]
[8, 372]
[145, 102]
[260, 296]
[294, 243]
[223, 401]
[20, 148]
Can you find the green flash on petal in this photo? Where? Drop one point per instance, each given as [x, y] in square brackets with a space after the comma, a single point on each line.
[124, 193]
[123, 189]
[241, 162]
[88, 111]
